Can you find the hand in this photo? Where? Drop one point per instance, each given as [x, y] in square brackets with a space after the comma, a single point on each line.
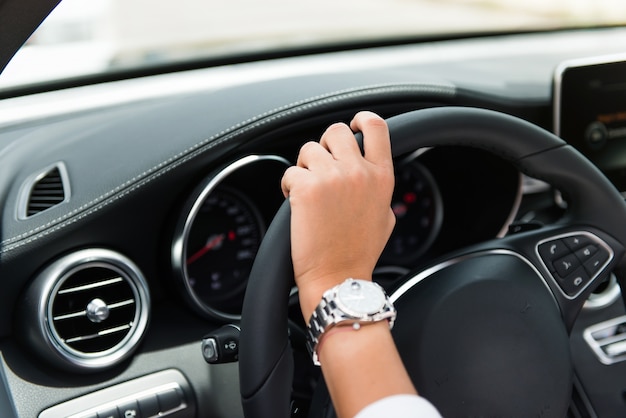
[341, 206]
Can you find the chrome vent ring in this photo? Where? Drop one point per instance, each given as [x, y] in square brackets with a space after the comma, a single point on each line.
[92, 310]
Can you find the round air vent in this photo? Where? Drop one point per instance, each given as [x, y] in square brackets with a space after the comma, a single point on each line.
[88, 310]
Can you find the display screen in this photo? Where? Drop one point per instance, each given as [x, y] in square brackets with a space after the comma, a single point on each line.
[590, 113]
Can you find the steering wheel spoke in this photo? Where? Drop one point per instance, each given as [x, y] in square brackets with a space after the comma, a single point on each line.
[571, 260]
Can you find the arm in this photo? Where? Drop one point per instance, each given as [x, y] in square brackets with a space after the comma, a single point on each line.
[341, 221]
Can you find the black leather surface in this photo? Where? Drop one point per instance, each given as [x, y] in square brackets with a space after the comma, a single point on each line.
[265, 359]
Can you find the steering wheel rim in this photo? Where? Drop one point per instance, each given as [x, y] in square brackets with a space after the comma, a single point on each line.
[266, 364]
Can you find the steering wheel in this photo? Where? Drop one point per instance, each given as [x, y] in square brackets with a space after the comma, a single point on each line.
[483, 331]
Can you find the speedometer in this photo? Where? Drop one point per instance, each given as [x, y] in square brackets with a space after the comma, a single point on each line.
[222, 243]
[219, 231]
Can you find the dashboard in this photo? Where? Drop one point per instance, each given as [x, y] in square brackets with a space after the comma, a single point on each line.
[133, 235]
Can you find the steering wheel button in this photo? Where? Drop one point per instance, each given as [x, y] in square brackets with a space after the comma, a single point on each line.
[586, 253]
[566, 265]
[576, 241]
[573, 283]
[594, 264]
[553, 250]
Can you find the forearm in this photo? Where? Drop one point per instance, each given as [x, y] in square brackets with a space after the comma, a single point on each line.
[353, 379]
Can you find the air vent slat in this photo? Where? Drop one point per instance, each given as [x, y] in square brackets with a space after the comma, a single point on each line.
[84, 313]
[52, 190]
[90, 286]
[100, 334]
[48, 184]
[70, 315]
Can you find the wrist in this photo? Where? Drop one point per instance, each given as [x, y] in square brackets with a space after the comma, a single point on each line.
[350, 336]
[352, 303]
[311, 289]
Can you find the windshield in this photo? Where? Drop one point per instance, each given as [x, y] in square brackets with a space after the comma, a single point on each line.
[86, 37]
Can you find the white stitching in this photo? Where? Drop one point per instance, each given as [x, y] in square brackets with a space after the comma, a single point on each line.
[153, 173]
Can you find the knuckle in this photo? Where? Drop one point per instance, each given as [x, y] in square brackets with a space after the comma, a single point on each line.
[308, 146]
[376, 121]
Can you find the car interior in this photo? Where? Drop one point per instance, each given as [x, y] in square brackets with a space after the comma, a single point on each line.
[144, 239]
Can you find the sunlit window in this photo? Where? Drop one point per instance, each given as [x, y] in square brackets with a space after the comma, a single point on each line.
[83, 37]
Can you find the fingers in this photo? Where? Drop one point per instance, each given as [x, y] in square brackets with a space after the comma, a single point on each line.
[293, 175]
[338, 144]
[339, 140]
[314, 156]
[376, 142]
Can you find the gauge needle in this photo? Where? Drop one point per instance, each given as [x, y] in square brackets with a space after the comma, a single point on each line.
[213, 242]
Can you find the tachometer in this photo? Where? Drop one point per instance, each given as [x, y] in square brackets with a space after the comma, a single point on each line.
[417, 204]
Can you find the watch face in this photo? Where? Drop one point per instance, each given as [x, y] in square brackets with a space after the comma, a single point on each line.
[360, 297]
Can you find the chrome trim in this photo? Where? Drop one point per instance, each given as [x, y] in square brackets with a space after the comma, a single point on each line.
[409, 284]
[605, 298]
[514, 207]
[28, 184]
[179, 245]
[416, 154]
[595, 239]
[559, 200]
[531, 185]
[53, 278]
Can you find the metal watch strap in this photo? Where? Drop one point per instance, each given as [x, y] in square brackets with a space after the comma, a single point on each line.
[327, 315]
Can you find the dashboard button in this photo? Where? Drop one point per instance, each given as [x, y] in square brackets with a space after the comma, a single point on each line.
[129, 410]
[149, 406]
[109, 413]
[170, 399]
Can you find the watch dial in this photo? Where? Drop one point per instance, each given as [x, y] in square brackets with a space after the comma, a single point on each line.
[360, 297]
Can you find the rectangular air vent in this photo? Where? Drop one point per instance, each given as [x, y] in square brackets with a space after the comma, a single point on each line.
[608, 340]
[44, 190]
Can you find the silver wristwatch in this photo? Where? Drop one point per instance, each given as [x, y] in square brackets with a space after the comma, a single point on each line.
[353, 301]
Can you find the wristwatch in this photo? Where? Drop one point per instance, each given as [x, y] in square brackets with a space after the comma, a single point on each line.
[353, 302]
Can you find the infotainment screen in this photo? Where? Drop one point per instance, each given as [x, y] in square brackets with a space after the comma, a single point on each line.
[590, 112]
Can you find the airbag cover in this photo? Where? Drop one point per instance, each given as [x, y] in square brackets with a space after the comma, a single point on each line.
[483, 337]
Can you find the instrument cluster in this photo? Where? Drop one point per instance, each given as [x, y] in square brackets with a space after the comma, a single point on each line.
[225, 218]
